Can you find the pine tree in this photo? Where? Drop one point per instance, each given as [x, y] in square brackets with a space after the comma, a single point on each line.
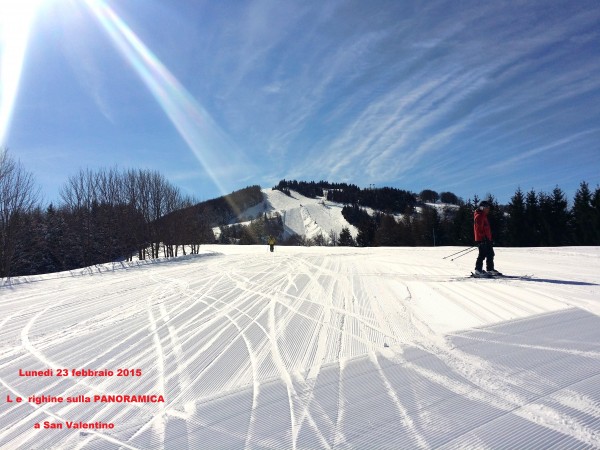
[532, 220]
[497, 220]
[388, 232]
[561, 216]
[516, 223]
[546, 235]
[596, 222]
[366, 233]
[585, 221]
[30, 255]
[554, 218]
[405, 228]
[346, 239]
[425, 226]
[462, 229]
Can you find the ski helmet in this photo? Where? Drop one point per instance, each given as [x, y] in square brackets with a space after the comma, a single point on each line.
[484, 204]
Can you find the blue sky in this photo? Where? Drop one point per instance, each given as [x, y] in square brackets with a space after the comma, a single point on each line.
[470, 97]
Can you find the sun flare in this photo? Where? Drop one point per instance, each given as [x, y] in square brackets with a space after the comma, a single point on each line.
[16, 19]
[202, 135]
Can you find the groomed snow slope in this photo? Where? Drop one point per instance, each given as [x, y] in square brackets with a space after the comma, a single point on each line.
[309, 348]
[301, 215]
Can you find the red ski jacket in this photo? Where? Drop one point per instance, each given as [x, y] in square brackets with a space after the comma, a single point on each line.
[481, 226]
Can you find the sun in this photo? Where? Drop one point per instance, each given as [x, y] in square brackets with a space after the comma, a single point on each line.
[16, 19]
[16, 8]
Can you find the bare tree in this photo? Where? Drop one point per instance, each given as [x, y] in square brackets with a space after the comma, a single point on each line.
[333, 238]
[155, 199]
[111, 187]
[160, 200]
[18, 197]
[80, 197]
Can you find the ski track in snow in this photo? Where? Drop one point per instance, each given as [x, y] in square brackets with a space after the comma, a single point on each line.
[311, 348]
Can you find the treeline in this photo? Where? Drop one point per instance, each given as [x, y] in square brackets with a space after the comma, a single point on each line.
[385, 199]
[111, 215]
[424, 228]
[529, 220]
[103, 216]
[428, 195]
[544, 219]
[390, 200]
[254, 233]
[308, 189]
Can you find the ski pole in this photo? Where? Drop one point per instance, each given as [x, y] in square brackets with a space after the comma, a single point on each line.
[469, 251]
[463, 250]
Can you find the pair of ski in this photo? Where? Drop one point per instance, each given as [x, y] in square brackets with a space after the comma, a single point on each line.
[500, 276]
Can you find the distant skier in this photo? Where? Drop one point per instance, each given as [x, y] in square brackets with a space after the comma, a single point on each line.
[483, 239]
[271, 243]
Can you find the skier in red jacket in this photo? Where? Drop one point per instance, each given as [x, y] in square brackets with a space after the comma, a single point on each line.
[483, 239]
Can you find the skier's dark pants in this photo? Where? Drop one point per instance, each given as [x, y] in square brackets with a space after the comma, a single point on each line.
[486, 251]
[272, 247]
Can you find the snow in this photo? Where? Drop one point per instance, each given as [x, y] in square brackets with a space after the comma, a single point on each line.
[309, 347]
[311, 217]
[308, 217]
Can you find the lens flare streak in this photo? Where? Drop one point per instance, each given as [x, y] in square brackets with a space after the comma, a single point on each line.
[208, 143]
[16, 19]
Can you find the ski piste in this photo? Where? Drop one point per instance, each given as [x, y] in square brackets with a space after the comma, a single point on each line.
[500, 276]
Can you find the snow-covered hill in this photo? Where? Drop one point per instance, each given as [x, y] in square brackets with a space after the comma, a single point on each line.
[305, 348]
[308, 217]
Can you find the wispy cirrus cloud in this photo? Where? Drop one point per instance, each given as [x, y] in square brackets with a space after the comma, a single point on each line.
[485, 92]
[536, 151]
[403, 93]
